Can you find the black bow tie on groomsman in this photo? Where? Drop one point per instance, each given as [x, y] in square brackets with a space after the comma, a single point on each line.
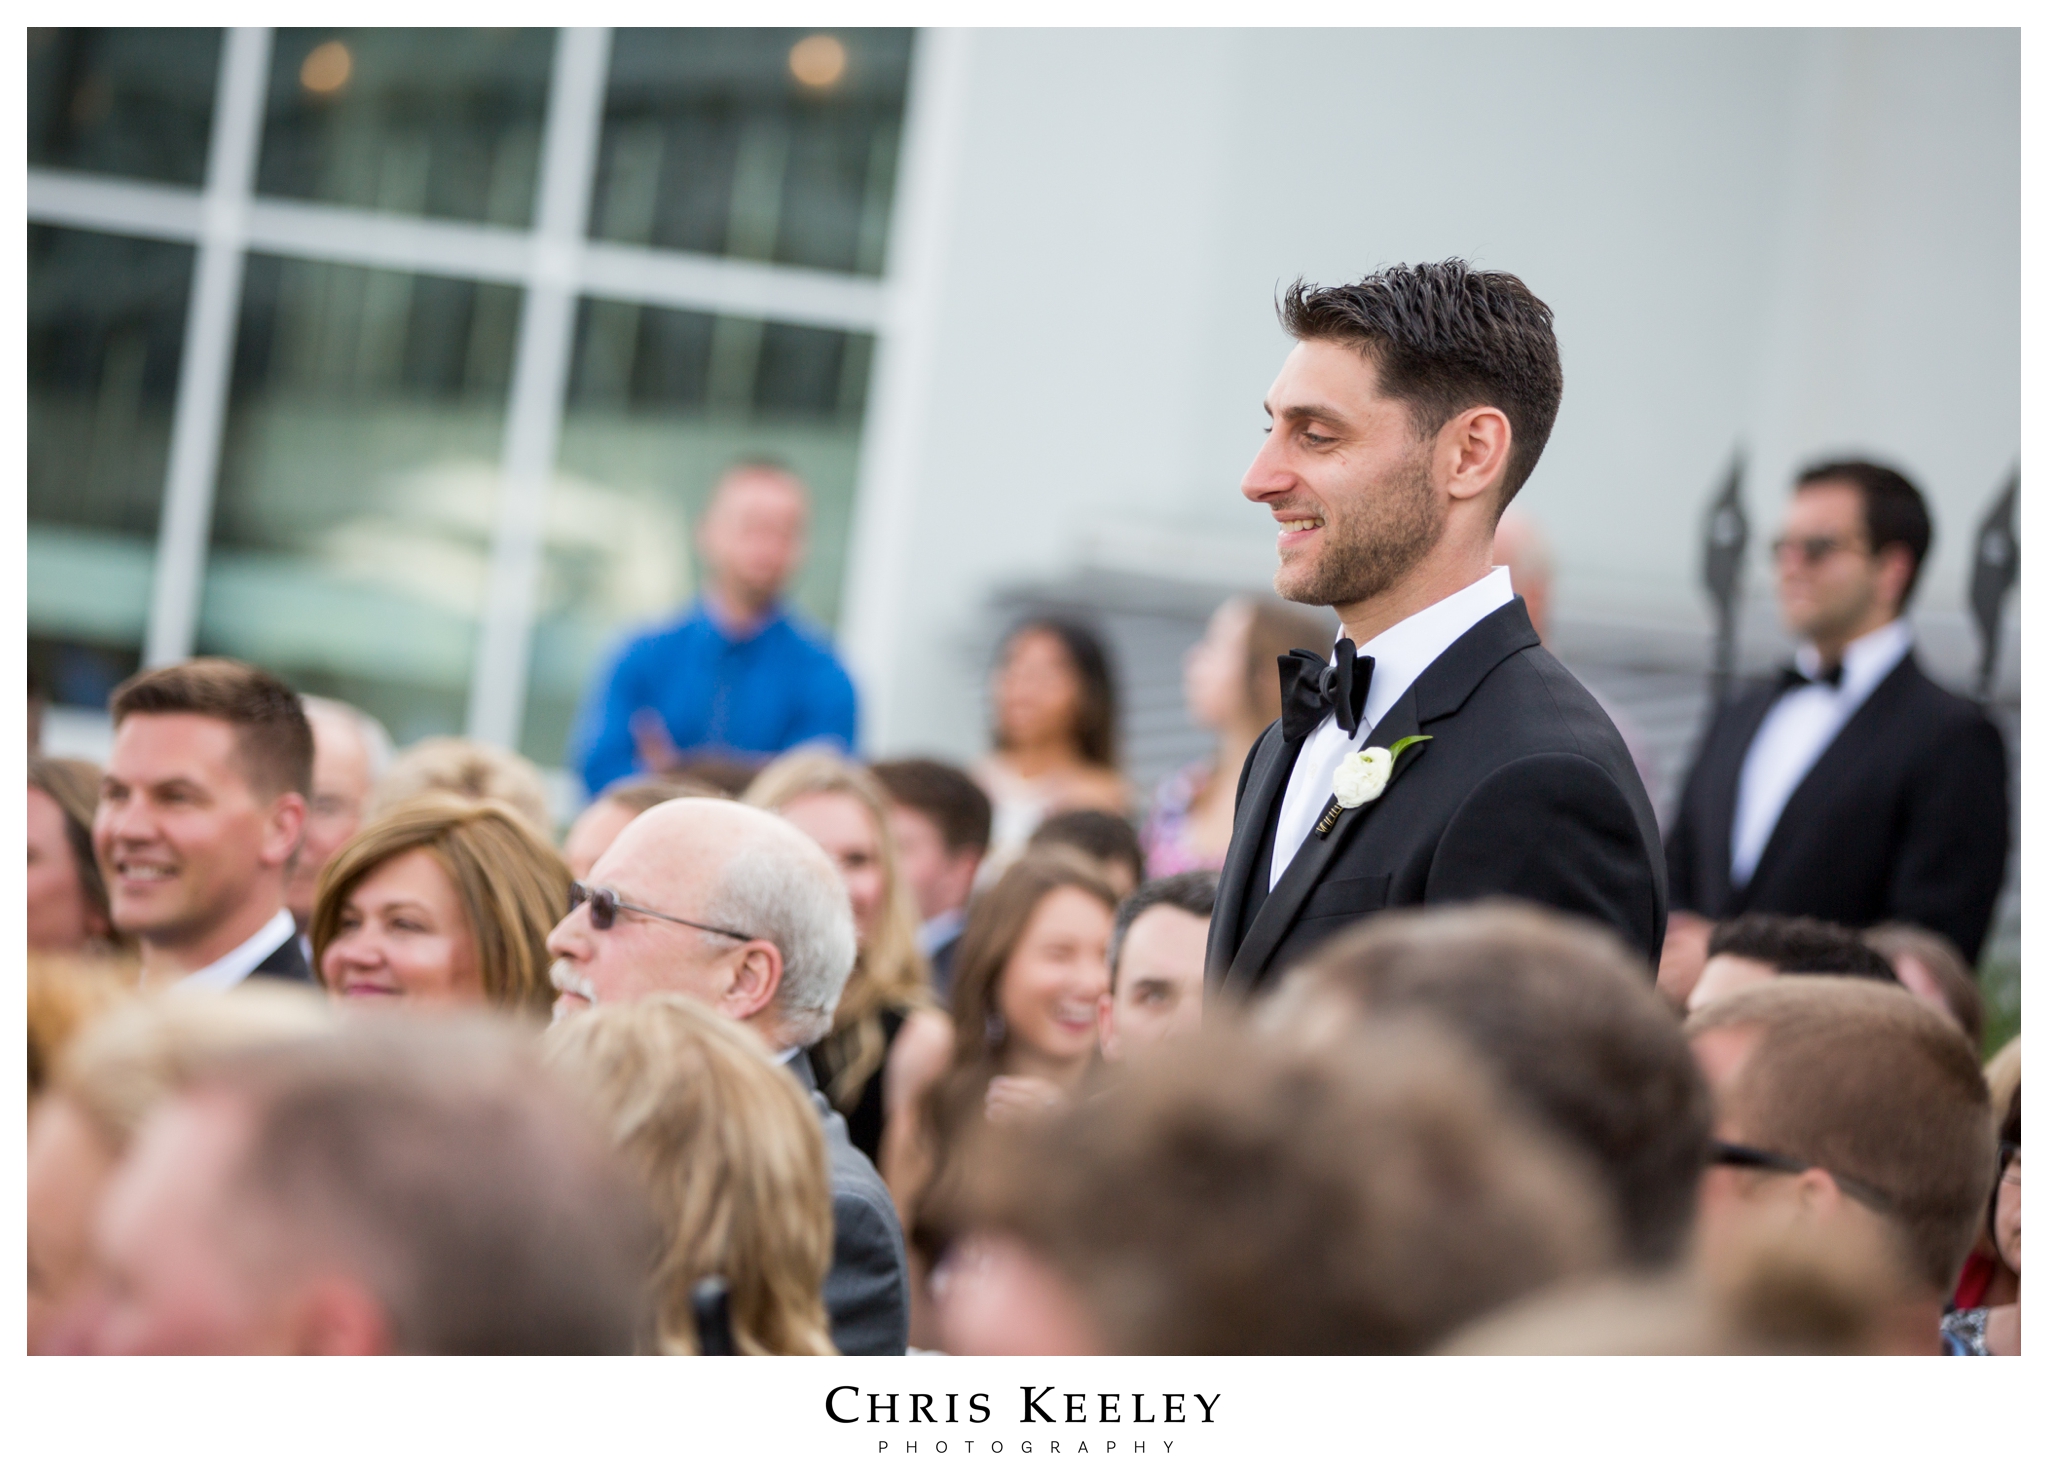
[1311, 688]
[1793, 678]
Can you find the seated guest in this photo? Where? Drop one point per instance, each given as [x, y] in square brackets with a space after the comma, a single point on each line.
[1230, 680]
[730, 1152]
[466, 768]
[1848, 1104]
[100, 1088]
[737, 909]
[940, 820]
[604, 819]
[1994, 1331]
[1108, 841]
[1564, 1014]
[1237, 1194]
[201, 810]
[1985, 1280]
[1055, 742]
[350, 752]
[396, 1187]
[1157, 949]
[67, 897]
[1933, 970]
[1753, 948]
[1033, 970]
[837, 804]
[442, 902]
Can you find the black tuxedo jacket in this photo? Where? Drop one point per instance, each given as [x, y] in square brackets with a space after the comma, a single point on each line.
[1903, 817]
[285, 964]
[1525, 790]
[867, 1289]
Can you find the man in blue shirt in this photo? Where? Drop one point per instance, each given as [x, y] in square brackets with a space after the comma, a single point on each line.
[738, 675]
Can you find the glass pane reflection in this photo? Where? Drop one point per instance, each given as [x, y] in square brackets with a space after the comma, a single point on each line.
[660, 401]
[106, 321]
[358, 484]
[122, 101]
[425, 122]
[772, 145]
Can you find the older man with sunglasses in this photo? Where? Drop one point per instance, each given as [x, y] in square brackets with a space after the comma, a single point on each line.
[1849, 787]
[736, 908]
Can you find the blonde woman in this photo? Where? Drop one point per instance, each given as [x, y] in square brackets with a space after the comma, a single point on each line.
[733, 1160]
[468, 768]
[442, 901]
[840, 807]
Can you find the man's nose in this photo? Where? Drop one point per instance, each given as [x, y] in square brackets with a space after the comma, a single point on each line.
[569, 938]
[1268, 475]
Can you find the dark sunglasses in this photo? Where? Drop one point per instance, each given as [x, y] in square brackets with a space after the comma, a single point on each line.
[1729, 1154]
[1810, 551]
[605, 905]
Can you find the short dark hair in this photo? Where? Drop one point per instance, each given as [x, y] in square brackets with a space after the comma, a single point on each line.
[1192, 893]
[1572, 1023]
[1445, 338]
[1871, 1085]
[1095, 721]
[1103, 836]
[1894, 512]
[1800, 947]
[272, 736]
[471, 1191]
[958, 808]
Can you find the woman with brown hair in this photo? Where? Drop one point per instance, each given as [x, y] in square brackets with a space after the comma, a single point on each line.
[733, 1160]
[1027, 991]
[838, 805]
[1230, 680]
[67, 897]
[442, 901]
[1054, 722]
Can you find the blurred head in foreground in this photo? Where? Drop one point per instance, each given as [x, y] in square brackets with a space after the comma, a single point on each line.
[733, 1160]
[397, 1186]
[442, 902]
[1157, 951]
[1567, 1018]
[1234, 1193]
[716, 901]
[1755, 948]
[101, 1086]
[1845, 1104]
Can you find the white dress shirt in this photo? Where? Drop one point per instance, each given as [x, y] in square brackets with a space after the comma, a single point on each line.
[1399, 656]
[1802, 724]
[233, 969]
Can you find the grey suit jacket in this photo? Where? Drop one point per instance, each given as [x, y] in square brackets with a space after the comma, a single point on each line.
[867, 1291]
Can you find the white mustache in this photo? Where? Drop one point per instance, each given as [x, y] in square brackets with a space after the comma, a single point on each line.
[567, 979]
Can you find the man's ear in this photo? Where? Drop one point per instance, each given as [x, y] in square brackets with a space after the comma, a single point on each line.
[1894, 571]
[755, 979]
[1472, 451]
[283, 828]
[1105, 1026]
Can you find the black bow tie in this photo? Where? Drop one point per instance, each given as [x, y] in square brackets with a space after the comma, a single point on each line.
[1793, 678]
[1311, 688]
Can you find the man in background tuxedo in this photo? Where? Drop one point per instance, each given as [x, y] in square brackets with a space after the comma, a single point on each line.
[202, 808]
[1851, 788]
[1412, 407]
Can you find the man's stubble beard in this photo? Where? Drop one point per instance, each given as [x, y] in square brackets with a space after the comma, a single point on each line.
[1386, 536]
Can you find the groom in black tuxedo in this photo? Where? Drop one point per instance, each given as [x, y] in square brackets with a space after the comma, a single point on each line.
[1412, 407]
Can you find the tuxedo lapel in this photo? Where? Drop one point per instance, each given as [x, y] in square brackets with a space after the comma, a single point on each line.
[1239, 891]
[1269, 927]
[1720, 786]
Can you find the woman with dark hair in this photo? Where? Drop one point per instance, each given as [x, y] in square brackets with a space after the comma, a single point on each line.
[1027, 991]
[1994, 1331]
[1230, 679]
[1054, 721]
[67, 897]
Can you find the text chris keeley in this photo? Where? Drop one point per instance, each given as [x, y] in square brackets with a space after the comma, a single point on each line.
[844, 1404]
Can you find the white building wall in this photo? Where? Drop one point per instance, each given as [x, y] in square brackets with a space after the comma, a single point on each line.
[1799, 242]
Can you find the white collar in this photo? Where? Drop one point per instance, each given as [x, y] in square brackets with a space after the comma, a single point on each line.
[233, 968]
[939, 929]
[1402, 652]
[1866, 661]
[788, 1055]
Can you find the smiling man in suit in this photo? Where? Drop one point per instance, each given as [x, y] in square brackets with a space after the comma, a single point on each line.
[1412, 407]
[1850, 787]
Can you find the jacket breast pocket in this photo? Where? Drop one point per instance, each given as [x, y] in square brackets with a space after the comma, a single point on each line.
[1358, 895]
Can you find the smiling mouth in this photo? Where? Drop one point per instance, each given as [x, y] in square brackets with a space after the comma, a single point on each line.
[1296, 526]
[144, 873]
[369, 989]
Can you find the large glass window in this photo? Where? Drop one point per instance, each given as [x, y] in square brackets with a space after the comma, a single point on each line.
[359, 478]
[660, 401]
[121, 101]
[772, 145]
[425, 122]
[106, 321]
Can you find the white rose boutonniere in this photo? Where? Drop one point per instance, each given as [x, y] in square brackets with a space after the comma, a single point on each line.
[1362, 776]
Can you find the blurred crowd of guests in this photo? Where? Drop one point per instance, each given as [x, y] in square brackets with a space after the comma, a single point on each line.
[337, 1048]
